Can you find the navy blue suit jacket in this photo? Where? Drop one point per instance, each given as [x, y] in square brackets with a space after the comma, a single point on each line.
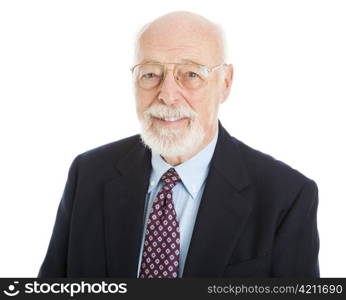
[257, 216]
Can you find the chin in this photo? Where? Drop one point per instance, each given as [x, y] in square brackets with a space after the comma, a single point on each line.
[172, 142]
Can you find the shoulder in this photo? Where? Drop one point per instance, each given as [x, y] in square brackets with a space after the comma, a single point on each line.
[269, 173]
[113, 149]
[105, 157]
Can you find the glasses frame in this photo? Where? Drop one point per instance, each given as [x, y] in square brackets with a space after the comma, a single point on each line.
[205, 68]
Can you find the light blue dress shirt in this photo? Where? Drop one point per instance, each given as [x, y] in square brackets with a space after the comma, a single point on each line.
[187, 194]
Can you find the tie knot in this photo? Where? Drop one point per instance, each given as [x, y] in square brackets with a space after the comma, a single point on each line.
[170, 178]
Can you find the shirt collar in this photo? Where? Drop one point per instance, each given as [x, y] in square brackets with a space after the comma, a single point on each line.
[192, 172]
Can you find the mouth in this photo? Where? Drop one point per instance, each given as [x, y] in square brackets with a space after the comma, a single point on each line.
[170, 120]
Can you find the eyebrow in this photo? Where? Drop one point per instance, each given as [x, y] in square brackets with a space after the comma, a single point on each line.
[192, 61]
[182, 61]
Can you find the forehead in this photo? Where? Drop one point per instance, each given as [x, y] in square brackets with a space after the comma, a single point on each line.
[177, 46]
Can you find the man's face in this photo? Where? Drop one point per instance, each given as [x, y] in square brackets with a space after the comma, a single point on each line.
[197, 109]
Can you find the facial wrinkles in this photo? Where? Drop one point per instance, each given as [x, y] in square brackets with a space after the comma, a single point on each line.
[198, 53]
[201, 45]
[171, 55]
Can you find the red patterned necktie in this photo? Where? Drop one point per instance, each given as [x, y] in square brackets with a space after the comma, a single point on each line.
[160, 258]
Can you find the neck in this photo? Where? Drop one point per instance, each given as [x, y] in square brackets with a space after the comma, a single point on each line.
[177, 160]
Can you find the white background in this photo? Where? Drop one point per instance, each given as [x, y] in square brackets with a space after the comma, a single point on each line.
[65, 87]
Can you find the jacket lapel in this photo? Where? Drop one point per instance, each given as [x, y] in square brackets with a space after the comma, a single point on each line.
[124, 200]
[223, 211]
[222, 214]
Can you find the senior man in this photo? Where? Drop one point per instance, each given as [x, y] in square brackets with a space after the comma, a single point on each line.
[183, 198]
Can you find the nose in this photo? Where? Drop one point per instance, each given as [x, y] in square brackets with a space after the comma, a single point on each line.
[170, 91]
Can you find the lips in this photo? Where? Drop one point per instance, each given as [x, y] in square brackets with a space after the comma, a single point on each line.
[170, 120]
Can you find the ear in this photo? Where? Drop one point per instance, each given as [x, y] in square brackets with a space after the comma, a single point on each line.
[227, 82]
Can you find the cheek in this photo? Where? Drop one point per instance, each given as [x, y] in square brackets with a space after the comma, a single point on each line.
[204, 104]
[143, 101]
[196, 100]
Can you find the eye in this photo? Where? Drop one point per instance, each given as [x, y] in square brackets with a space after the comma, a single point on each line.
[149, 75]
[192, 75]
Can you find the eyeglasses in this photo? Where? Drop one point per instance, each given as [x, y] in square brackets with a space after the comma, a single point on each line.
[190, 75]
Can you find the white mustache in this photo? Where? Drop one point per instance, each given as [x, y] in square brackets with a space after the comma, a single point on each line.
[165, 112]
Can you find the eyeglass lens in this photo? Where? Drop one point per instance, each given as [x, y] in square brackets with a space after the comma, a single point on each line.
[189, 76]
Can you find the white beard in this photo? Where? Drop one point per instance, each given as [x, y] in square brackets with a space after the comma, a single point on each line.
[171, 142]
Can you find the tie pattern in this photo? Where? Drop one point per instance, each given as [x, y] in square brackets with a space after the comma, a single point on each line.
[160, 258]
